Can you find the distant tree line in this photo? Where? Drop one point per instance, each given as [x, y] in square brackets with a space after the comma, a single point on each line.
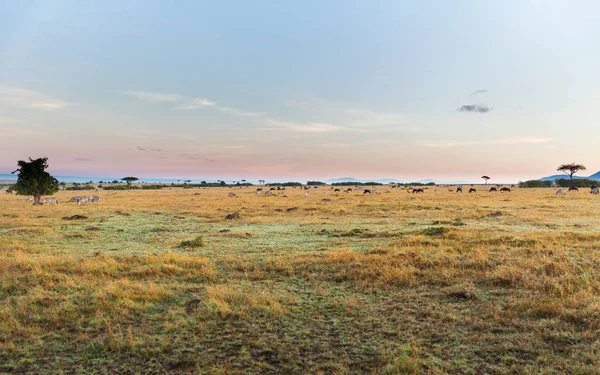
[369, 183]
[536, 184]
[284, 184]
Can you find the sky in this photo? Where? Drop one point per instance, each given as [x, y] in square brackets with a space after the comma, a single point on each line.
[296, 90]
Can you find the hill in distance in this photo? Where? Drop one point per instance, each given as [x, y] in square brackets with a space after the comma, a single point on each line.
[595, 176]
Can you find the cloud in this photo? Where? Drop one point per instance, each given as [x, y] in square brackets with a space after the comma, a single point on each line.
[187, 104]
[9, 132]
[310, 127]
[83, 159]
[526, 140]
[445, 144]
[349, 116]
[191, 104]
[238, 112]
[29, 99]
[479, 92]
[510, 141]
[151, 149]
[154, 96]
[477, 108]
[209, 159]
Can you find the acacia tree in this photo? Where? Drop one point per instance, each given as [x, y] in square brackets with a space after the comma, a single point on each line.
[486, 178]
[129, 180]
[571, 169]
[34, 180]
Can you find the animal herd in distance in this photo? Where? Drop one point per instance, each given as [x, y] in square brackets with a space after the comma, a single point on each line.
[84, 200]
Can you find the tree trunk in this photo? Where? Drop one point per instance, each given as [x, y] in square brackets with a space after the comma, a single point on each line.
[36, 200]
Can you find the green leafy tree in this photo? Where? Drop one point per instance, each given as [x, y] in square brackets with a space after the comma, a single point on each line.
[34, 180]
[571, 169]
[129, 180]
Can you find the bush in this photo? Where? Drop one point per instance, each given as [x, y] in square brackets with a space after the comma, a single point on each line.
[80, 188]
[435, 231]
[566, 183]
[196, 242]
[535, 184]
[120, 187]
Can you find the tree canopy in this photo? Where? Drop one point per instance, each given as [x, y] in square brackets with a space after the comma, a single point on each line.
[129, 180]
[486, 178]
[34, 180]
[571, 169]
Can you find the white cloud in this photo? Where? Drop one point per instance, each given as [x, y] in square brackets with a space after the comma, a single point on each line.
[154, 96]
[310, 127]
[510, 141]
[8, 132]
[349, 116]
[190, 104]
[29, 99]
[513, 141]
[187, 104]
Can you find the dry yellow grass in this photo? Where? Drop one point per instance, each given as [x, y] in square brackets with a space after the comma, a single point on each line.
[385, 283]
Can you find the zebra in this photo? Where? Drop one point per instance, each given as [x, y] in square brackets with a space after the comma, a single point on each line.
[94, 198]
[268, 193]
[50, 200]
[594, 190]
[561, 192]
[82, 201]
[232, 195]
[29, 200]
[75, 199]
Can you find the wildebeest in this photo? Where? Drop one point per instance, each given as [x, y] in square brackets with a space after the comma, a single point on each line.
[336, 191]
[9, 191]
[271, 189]
[505, 190]
[493, 189]
[417, 191]
[348, 190]
[472, 190]
[259, 189]
[232, 195]
[367, 191]
[561, 192]
[573, 188]
[459, 189]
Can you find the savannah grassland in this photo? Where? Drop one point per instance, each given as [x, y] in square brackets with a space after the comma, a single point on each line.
[387, 284]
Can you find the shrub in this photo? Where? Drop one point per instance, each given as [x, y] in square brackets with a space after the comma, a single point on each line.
[435, 231]
[535, 184]
[196, 242]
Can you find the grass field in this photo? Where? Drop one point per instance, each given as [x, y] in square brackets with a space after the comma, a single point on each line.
[160, 282]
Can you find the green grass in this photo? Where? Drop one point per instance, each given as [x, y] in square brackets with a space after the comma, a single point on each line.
[388, 284]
